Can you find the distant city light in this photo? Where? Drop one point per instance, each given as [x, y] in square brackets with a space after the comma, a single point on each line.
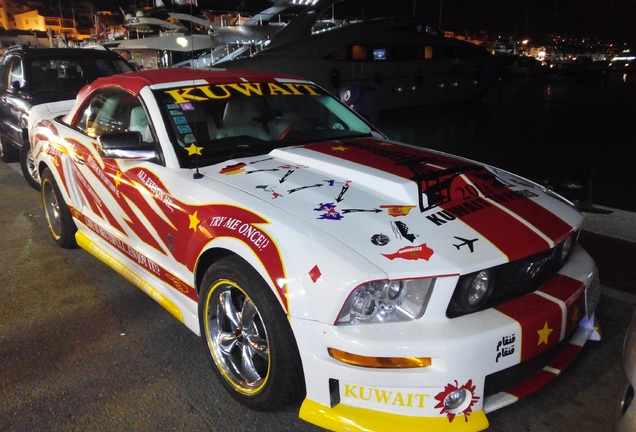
[624, 58]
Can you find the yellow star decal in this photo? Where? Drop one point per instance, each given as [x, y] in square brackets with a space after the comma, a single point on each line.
[339, 148]
[194, 221]
[194, 150]
[117, 179]
[544, 334]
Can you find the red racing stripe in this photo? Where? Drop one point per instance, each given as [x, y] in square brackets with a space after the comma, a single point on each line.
[502, 229]
[540, 217]
[572, 293]
[540, 320]
[566, 357]
[544, 376]
[531, 385]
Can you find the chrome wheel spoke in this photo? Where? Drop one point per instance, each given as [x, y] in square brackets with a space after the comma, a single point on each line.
[250, 317]
[249, 371]
[227, 342]
[33, 171]
[259, 346]
[249, 313]
[228, 311]
[52, 209]
[238, 338]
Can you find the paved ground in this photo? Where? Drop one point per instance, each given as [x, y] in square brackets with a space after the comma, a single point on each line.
[81, 349]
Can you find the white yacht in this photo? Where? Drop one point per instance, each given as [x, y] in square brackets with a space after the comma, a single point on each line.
[163, 37]
[394, 62]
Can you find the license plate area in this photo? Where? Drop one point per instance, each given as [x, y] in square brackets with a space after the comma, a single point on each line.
[592, 295]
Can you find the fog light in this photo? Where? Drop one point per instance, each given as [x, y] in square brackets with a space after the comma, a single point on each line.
[566, 248]
[478, 288]
[455, 401]
[472, 293]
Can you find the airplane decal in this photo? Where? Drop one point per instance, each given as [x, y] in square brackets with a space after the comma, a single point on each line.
[465, 242]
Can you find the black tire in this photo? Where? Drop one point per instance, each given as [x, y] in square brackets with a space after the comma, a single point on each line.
[58, 216]
[8, 153]
[29, 170]
[248, 337]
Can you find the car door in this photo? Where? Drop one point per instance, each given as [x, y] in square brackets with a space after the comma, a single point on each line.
[12, 100]
[108, 192]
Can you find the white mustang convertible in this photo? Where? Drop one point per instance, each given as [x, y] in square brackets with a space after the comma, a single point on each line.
[386, 286]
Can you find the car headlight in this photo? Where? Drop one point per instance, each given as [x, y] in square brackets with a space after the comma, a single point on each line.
[386, 301]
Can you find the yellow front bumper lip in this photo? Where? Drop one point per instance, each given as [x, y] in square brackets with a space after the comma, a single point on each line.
[347, 418]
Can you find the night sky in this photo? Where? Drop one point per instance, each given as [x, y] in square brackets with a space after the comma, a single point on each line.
[613, 20]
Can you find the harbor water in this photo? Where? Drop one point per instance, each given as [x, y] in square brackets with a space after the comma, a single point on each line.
[575, 133]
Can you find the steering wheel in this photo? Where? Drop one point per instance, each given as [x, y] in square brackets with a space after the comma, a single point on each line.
[286, 132]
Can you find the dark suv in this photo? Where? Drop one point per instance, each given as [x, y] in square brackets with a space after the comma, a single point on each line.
[32, 76]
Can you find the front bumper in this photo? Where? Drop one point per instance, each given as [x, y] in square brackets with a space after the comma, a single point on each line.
[468, 353]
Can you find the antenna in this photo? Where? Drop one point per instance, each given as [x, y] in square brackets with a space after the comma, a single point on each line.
[194, 150]
[197, 174]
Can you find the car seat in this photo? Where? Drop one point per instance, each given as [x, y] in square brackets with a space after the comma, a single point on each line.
[139, 122]
[240, 118]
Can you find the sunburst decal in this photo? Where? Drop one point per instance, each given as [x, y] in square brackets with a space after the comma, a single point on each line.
[466, 408]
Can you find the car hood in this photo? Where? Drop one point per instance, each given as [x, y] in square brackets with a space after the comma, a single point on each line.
[407, 207]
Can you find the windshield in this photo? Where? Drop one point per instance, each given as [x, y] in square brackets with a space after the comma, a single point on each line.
[54, 79]
[215, 122]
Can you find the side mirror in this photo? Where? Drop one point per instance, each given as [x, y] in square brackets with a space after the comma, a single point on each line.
[125, 145]
[15, 85]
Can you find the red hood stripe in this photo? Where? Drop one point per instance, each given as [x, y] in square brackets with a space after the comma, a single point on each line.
[507, 233]
[440, 177]
[499, 226]
[541, 218]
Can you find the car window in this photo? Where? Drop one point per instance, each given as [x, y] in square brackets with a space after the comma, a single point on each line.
[115, 110]
[57, 78]
[5, 68]
[15, 73]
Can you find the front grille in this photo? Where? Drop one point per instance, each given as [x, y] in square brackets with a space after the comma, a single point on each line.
[512, 280]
